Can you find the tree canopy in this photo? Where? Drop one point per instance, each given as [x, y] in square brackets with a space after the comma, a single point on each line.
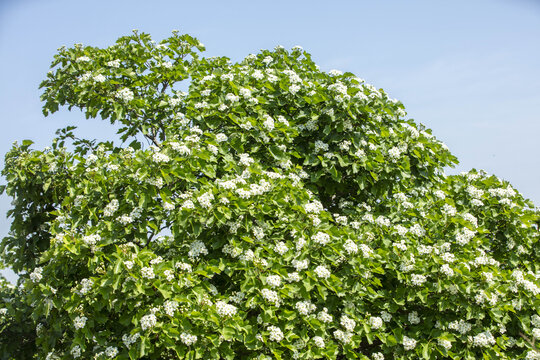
[269, 211]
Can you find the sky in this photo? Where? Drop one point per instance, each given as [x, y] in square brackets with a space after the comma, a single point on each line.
[469, 70]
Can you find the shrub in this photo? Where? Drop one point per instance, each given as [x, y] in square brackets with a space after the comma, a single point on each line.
[276, 211]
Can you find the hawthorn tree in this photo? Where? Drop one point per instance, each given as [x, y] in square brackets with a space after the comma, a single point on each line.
[271, 211]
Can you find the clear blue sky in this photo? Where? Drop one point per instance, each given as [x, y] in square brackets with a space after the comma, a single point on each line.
[470, 70]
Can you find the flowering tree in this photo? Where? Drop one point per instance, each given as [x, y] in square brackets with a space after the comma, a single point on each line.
[272, 211]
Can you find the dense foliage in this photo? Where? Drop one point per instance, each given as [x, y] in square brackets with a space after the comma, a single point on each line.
[276, 211]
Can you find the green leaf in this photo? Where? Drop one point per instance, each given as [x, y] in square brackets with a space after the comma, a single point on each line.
[277, 153]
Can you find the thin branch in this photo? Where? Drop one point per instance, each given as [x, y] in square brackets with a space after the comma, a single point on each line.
[529, 341]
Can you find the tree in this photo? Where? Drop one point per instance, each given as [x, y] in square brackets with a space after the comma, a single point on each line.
[272, 211]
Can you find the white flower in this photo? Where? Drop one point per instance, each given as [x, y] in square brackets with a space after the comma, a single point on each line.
[348, 323]
[470, 218]
[237, 297]
[271, 296]
[350, 247]
[258, 232]
[449, 210]
[258, 74]
[322, 272]
[86, 286]
[76, 351]
[246, 93]
[417, 279]
[375, 322]
[409, 343]
[268, 123]
[99, 78]
[313, 207]
[91, 239]
[79, 322]
[208, 78]
[366, 250]
[275, 333]
[170, 307]
[305, 307]
[188, 204]
[114, 63]
[111, 208]
[125, 219]
[460, 326]
[156, 182]
[417, 230]
[282, 120]
[213, 149]
[111, 351]
[196, 249]
[228, 76]
[386, 317]
[148, 273]
[402, 230]
[447, 270]
[221, 137]
[464, 236]
[300, 265]
[148, 321]
[444, 343]
[130, 339]
[245, 159]
[169, 275]
[206, 199]
[319, 342]
[293, 277]
[184, 266]
[382, 221]
[321, 238]
[188, 339]
[447, 256]
[35, 275]
[344, 337]
[294, 88]
[160, 157]
[477, 202]
[125, 95]
[483, 339]
[440, 194]
[281, 248]
[272, 78]
[273, 280]
[201, 105]
[83, 59]
[232, 98]
[324, 316]
[413, 318]
[223, 309]
[320, 146]
[168, 206]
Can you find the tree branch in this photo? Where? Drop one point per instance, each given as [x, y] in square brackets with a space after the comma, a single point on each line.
[529, 341]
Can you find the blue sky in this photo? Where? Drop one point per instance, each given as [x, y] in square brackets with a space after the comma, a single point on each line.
[469, 70]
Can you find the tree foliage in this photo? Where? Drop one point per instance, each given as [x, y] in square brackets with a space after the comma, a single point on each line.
[273, 210]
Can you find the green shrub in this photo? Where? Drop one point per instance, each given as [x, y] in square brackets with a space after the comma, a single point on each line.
[272, 211]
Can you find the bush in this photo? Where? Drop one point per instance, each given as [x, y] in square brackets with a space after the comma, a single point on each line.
[278, 211]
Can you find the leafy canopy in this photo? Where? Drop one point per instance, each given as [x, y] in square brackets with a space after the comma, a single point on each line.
[271, 211]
